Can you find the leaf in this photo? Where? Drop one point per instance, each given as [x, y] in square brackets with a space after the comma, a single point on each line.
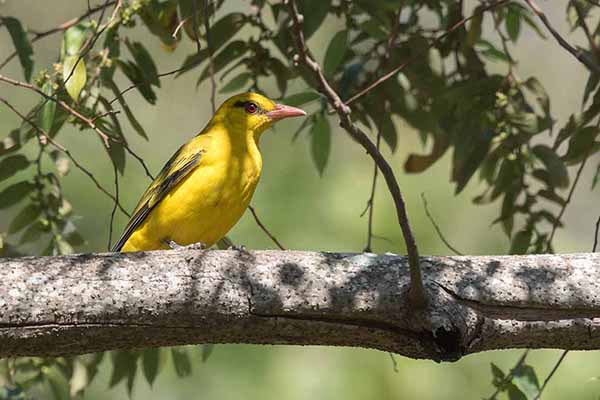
[15, 193]
[62, 246]
[514, 393]
[526, 380]
[21, 43]
[232, 51]
[298, 99]
[526, 122]
[596, 177]
[46, 116]
[150, 364]
[388, 132]
[207, 350]
[554, 165]
[513, 22]
[474, 32]
[535, 87]
[181, 361]
[136, 76]
[124, 367]
[12, 142]
[33, 232]
[581, 144]
[222, 30]
[130, 116]
[498, 375]
[25, 217]
[144, 61]
[320, 146]
[314, 14]
[79, 378]
[74, 75]
[11, 165]
[520, 242]
[73, 39]
[335, 52]
[237, 83]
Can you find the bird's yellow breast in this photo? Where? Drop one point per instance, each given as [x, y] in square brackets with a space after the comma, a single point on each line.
[206, 204]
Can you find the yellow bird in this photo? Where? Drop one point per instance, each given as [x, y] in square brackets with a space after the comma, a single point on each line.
[206, 186]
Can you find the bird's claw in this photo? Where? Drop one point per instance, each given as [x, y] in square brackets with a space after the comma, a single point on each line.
[176, 246]
[237, 248]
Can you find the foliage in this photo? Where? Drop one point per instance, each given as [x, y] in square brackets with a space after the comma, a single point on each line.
[498, 126]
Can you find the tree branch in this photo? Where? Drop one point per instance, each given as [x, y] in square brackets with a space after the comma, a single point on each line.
[84, 303]
[416, 292]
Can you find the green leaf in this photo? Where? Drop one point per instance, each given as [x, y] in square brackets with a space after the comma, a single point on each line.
[181, 361]
[136, 76]
[74, 75]
[581, 144]
[237, 83]
[150, 364]
[130, 116]
[474, 32]
[73, 39]
[554, 165]
[535, 87]
[513, 22]
[223, 30]
[79, 378]
[320, 145]
[596, 177]
[62, 246]
[231, 52]
[15, 193]
[520, 242]
[207, 350]
[21, 43]
[514, 393]
[314, 14]
[33, 232]
[526, 122]
[124, 367]
[526, 380]
[144, 61]
[25, 217]
[46, 116]
[11, 165]
[335, 52]
[298, 99]
[498, 375]
[388, 132]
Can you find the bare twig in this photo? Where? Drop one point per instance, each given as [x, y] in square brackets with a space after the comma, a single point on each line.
[211, 66]
[437, 228]
[425, 50]
[103, 136]
[596, 234]
[44, 137]
[264, 228]
[416, 292]
[580, 56]
[551, 374]
[62, 27]
[114, 209]
[371, 201]
[134, 85]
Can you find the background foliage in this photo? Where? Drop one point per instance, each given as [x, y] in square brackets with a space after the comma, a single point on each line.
[494, 112]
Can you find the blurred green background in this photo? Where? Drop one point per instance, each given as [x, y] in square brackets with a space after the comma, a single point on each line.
[306, 211]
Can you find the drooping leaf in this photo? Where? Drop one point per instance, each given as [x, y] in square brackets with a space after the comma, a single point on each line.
[320, 145]
[521, 241]
[25, 217]
[11, 165]
[144, 61]
[207, 350]
[46, 116]
[21, 43]
[581, 144]
[124, 367]
[513, 21]
[388, 132]
[181, 361]
[136, 76]
[474, 32]
[596, 177]
[231, 52]
[160, 17]
[314, 13]
[130, 116]
[525, 378]
[498, 375]
[335, 52]
[74, 75]
[237, 83]
[150, 364]
[15, 193]
[555, 166]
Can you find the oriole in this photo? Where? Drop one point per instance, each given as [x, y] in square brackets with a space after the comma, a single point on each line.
[206, 186]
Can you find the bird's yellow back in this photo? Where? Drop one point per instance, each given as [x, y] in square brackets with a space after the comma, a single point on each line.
[206, 186]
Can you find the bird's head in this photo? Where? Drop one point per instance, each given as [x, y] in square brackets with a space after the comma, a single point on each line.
[253, 113]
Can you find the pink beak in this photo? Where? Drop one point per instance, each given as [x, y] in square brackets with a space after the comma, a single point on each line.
[282, 111]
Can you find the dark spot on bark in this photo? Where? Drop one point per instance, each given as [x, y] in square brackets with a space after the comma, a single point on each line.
[290, 274]
[449, 344]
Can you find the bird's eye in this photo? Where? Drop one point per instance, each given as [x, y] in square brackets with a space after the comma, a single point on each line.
[251, 108]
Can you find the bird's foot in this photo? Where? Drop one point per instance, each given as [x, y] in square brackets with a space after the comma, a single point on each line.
[176, 246]
[237, 248]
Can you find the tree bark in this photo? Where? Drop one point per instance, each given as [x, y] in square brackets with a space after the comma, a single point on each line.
[85, 303]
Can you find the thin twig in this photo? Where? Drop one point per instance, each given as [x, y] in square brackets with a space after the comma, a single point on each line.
[103, 136]
[436, 226]
[425, 50]
[114, 209]
[416, 291]
[371, 202]
[264, 228]
[134, 85]
[211, 66]
[62, 27]
[44, 137]
[140, 160]
[580, 56]
[596, 235]
[551, 374]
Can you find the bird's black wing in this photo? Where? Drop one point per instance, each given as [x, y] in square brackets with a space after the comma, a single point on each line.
[178, 166]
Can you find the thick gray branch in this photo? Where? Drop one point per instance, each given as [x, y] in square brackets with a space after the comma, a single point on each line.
[93, 302]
